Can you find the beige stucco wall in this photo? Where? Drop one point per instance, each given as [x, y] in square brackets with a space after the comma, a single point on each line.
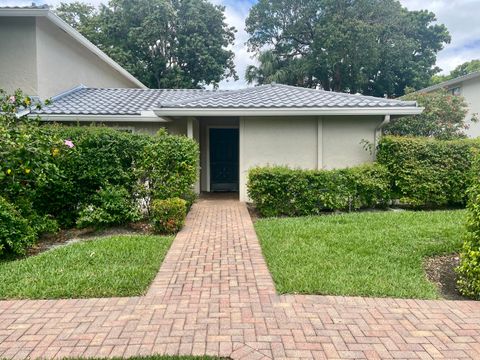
[342, 140]
[304, 142]
[18, 55]
[63, 63]
[471, 91]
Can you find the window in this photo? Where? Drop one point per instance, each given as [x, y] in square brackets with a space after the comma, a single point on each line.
[455, 90]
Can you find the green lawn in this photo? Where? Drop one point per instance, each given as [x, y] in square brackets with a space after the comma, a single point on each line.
[112, 266]
[369, 254]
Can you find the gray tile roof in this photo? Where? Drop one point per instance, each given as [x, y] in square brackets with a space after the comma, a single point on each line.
[94, 101]
[98, 101]
[284, 96]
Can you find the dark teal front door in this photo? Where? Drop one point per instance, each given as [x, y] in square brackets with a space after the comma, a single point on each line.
[223, 159]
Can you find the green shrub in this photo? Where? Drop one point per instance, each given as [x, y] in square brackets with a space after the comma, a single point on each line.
[278, 191]
[16, 235]
[427, 172]
[111, 205]
[469, 269]
[100, 156]
[40, 223]
[169, 166]
[168, 215]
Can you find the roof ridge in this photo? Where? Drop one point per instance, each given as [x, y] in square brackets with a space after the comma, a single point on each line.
[214, 93]
[348, 95]
[69, 92]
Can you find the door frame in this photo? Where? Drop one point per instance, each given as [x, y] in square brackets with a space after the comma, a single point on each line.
[208, 149]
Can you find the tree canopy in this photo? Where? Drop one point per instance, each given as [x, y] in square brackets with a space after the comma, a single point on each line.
[375, 47]
[461, 70]
[164, 43]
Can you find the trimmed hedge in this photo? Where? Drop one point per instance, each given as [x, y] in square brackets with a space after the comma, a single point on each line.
[90, 176]
[168, 215]
[169, 166]
[469, 269]
[428, 172]
[280, 191]
[100, 157]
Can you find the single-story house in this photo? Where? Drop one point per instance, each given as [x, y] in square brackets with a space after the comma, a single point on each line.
[43, 55]
[467, 86]
[236, 130]
[239, 129]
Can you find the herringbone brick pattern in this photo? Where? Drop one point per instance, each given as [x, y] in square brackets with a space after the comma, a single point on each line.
[214, 295]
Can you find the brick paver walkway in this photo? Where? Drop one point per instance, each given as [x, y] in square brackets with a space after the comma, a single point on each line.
[214, 295]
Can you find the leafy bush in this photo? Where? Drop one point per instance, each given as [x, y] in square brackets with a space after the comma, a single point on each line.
[443, 117]
[168, 215]
[277, 191]
[111, 205]
[427, 172]
[469, 269]
[26, 158]
[99, 157]
[15, 232]
[169, 166]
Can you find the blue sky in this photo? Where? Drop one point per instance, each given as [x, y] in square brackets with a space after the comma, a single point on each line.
[460, 17]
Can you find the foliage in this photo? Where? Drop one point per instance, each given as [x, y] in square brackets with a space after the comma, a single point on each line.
[443, 117]
[169, 166]
[168, 216]
[101, 156]
[278, 191]
[26, 164]
[461, 70]
[165, 44]
[111, 205]
[469, 269]
[15, 232]
[26, 151]
[368, 46]
[102, 267]
[359, 254]
[426, 171]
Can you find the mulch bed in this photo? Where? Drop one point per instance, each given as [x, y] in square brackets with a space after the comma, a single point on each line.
[441, 271]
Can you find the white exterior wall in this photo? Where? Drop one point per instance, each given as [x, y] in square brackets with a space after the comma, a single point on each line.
[62, 63]
[18, 55]
[304, 142]
[470, 89]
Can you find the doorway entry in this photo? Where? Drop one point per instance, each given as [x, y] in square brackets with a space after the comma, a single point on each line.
[224, 159]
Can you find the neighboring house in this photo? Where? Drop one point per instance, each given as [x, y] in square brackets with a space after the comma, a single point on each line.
[469, 87]
[240, 129]
[43, 56]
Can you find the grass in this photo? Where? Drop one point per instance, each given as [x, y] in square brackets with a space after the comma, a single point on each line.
[365, 254]
[111, 266]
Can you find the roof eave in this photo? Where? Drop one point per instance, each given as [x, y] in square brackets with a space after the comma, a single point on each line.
[449, 83]
[286, 111]
[90, 118]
